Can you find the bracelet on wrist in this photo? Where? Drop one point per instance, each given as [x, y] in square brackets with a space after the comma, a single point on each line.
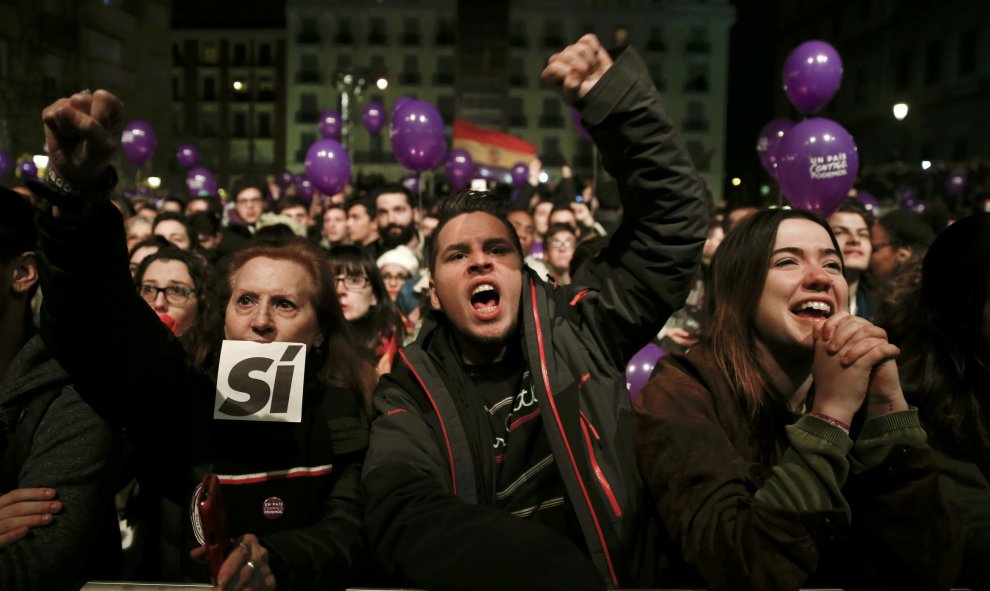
[830, 420]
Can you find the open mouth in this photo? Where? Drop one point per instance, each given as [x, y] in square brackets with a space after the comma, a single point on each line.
[813, 310]
[485, 299]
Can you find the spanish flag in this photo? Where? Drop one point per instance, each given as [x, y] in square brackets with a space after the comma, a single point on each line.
[492, 148]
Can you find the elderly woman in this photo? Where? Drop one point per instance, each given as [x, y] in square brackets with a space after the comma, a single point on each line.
[291, 489]
[782, 453]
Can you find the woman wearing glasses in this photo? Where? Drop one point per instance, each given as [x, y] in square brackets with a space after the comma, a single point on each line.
[558, 250]
[366, 304]
[291, 490]
[180, 288]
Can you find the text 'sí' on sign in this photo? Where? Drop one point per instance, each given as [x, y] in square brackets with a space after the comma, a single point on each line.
[260, 382]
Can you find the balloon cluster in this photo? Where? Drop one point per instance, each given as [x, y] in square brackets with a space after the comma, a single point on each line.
[816, 160]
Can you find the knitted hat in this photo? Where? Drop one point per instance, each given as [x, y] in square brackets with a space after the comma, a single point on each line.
[402, 256]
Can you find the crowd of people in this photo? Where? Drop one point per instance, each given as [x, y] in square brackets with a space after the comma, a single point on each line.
[820, 418]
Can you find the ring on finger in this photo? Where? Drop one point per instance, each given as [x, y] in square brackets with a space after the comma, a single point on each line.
[253, 566]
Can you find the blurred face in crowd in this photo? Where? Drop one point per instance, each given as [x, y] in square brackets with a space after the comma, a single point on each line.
[523, 223]
[249, 205]
[804, 286]
[174, 232]
[541, 217]
[563, 216]
[361, 227]
[335, 225]
[853, 234]
[168, 288]
[138, 229]
[395, 218]
[196, 206]
[427, 225]
[395, 276]
[355, 294]
[478, 283]
[173, 206]
[298, 214]
[559, 250]
[139, 255]
[208, 241]
[272, 300]
[148, 212]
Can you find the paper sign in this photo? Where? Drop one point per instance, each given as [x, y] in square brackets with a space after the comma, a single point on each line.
[260, 382]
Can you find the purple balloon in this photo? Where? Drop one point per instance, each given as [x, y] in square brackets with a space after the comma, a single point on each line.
[768, 143]
[6, 163]
[955, 184]
[417, 135]
[305, 190]
[817, 165]
[459, 168]
[188, 155]
[373, 117]
[286, 179]
[138, 142]
[640, 368]
[328, 166]
[582, 130]
[400, 102]
[200, 181]
[330, 125]
[27, 170]
[870, 202]
[812, 75]
[411, 183]
[520, 174]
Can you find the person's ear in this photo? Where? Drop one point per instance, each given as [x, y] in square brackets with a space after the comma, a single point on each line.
[318, 340]
[903, 253]
[25, 275]
[434, 298]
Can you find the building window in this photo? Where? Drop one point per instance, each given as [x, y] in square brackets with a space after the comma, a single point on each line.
[445, 33]
[264, 54]
[176, 88]
[343, 62]
[264, 124]
[445, 104]
[306, 140]
[376, 32]
[210, 55]
[517, 72]
[240, 124]
[445, 71]
[902, 71]
[208, 123]
[968, 46]
[551, 118]
[410, 31]
[517, 115]
[517, 38]
[176, 55]
[701, 155]
[933, 63]
[696, 120]
[697, 78]
[552, 34]
[308, 110]
[377, 66]
[698, 41]
[209, 88]
[655, 42]
[656, 74]
[266, 88]
[308, 32]
[551, 155]
[240, 54]
[264, 153]
[344, 35]
[410, 71]
[309, 68]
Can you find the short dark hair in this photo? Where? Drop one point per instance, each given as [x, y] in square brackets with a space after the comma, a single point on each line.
[470, 202]
[367, 203]
[175, 199]
[290, 202]
[391, 188]
[17, 231]
[175, 217]
[213, 205]
[248, 182]
[907, 228]
[202, 222]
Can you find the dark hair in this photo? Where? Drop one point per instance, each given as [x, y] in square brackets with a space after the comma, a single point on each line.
[469, 202]
[739, 271]
[124, 205]
[391, 188]
[248, 182]
[203, 337]
[555, 228]
[343, 363]
[213, 205]
[367, 204]
[153, 240]
[907, 228]
[854, 206]
[175, 199]
[202, 222]
[290, 202]
[383, 320]
[945, 362]
[17, 230]
[176, 217]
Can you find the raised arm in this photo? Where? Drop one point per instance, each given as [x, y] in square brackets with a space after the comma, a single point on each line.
[648, 265]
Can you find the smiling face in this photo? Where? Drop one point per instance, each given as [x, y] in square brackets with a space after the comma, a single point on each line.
[272, 300]
[853, 236]
[477, 283]
[804, 286]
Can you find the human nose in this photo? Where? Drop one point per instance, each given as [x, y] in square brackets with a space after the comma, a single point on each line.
[817, 279]
[160, 304]
[480, 261]
[261, 322]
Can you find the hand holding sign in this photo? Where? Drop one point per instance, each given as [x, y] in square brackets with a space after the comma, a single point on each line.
[260, 382]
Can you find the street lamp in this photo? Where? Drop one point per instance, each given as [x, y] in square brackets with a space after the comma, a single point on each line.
[381, 83]
[900, 111]
[350, 84]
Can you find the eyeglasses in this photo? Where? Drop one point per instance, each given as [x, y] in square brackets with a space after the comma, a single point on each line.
[174, 294]
[561, 244]
[354, 282]
[392, 278]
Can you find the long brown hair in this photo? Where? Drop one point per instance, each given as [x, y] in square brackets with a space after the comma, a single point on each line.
[344, 365]
[739, 270]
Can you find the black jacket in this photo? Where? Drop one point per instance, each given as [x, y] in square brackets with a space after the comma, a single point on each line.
[129, 367]
[429, 479]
